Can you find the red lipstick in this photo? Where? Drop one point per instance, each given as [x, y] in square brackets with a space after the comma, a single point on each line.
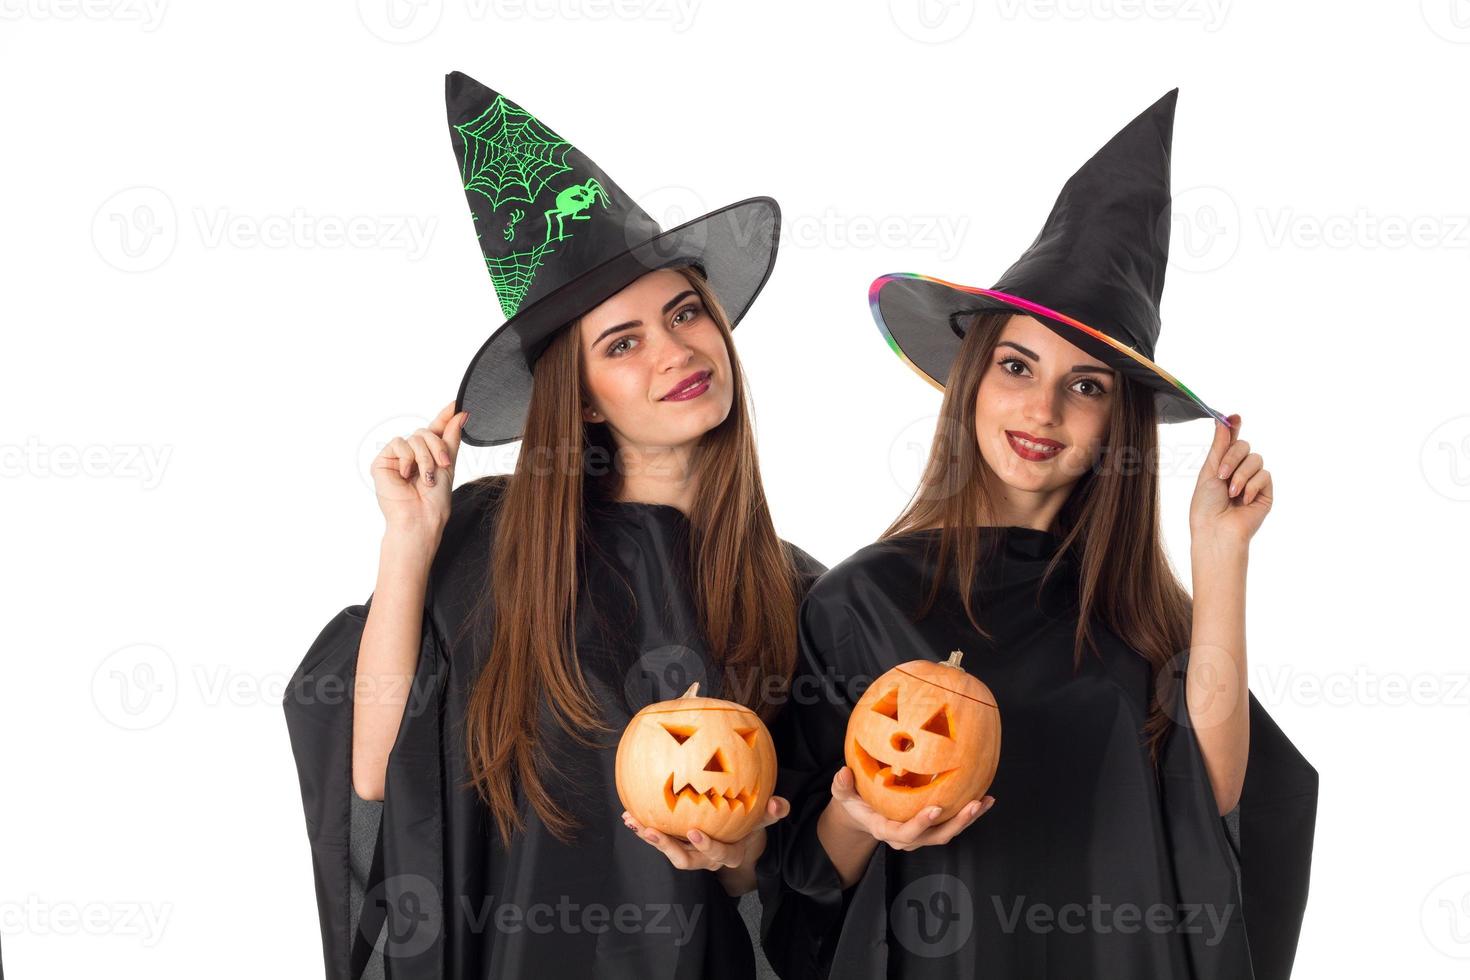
[691, 387]
[1033, 448]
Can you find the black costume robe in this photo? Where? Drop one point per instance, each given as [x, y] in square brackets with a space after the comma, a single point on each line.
[1046, 884]
[459, 903]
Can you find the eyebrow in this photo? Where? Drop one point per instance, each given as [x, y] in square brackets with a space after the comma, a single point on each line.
[638, 323]
[1075, 367]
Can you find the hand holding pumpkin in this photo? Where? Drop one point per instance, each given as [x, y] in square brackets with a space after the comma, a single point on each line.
[704, 853]
[921, 830]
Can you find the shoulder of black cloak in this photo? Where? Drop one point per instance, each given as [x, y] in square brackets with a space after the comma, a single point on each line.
[802, 900]
[318, 710]
[808, 569]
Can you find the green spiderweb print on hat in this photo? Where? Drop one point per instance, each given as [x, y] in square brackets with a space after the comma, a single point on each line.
[510, 158]
[509, 155]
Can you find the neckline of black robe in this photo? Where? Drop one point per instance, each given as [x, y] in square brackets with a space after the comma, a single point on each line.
[1074, 794]
[459, 903]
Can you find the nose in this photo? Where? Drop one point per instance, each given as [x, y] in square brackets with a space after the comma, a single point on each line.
[1041, 406]
[901, 742]
[673, 352]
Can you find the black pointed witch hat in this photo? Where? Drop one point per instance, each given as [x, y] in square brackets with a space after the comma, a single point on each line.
[559, 236]
[1094, 275]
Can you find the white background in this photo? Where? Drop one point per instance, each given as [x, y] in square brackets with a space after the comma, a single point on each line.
[193, 385]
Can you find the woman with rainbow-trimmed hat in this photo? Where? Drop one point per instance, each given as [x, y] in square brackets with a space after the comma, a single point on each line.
[1147, 818]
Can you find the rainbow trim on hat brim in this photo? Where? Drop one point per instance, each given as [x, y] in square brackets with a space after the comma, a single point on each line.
[1030, 307]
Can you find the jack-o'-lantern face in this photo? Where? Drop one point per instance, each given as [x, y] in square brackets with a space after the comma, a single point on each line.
[696, 762]
[924, 734]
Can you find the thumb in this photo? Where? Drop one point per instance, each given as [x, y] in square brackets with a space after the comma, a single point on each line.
[1224, 437]
[454, 431]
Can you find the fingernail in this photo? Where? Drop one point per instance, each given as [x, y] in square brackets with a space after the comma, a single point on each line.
[1234, 489]
[695, 837]
[989, 803]
[650, 836]
[1224, 472]
[429, 479]
[934, 812]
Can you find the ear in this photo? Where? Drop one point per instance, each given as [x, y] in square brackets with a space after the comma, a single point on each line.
[590, 414]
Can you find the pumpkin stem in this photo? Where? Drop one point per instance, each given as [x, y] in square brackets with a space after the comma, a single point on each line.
[954, 659]
[693, 691]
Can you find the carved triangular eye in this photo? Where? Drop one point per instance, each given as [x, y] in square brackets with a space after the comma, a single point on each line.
[681, 733]
[748, 734]
[888, 704]
[939, 724]
[716, 762]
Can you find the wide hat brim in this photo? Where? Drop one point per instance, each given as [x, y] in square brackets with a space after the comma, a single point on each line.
[924, 319]
[735, 246]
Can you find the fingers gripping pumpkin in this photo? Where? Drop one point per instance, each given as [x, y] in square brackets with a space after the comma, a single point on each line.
[924, 734]
[696, 763]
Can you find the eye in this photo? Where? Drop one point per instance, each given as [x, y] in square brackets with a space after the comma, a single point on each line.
[693, 313]
[1095, 387]
[888, 704]
[939, 724]
[1006, 362]
[617, 348]
[681, 733]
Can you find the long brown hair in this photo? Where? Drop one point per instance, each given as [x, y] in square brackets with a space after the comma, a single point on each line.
[743, 583]
[1110, 521]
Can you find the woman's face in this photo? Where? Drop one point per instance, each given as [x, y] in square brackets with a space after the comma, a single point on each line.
[1041, 413]
[655, 365]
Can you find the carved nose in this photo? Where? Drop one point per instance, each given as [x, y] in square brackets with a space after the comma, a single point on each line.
[901, 742]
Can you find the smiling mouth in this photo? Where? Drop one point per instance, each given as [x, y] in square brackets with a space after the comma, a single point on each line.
[882, 772]
[720, 801]
[1033, 449]
[690, 387]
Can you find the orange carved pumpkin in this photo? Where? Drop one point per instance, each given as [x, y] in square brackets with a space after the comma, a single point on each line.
[696, 763]
[924, 734]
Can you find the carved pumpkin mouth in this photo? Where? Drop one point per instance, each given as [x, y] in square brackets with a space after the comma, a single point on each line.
[884, 773]
[728, 800]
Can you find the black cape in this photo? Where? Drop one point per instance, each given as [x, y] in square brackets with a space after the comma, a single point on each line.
[1087, 866]
[459, 904]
